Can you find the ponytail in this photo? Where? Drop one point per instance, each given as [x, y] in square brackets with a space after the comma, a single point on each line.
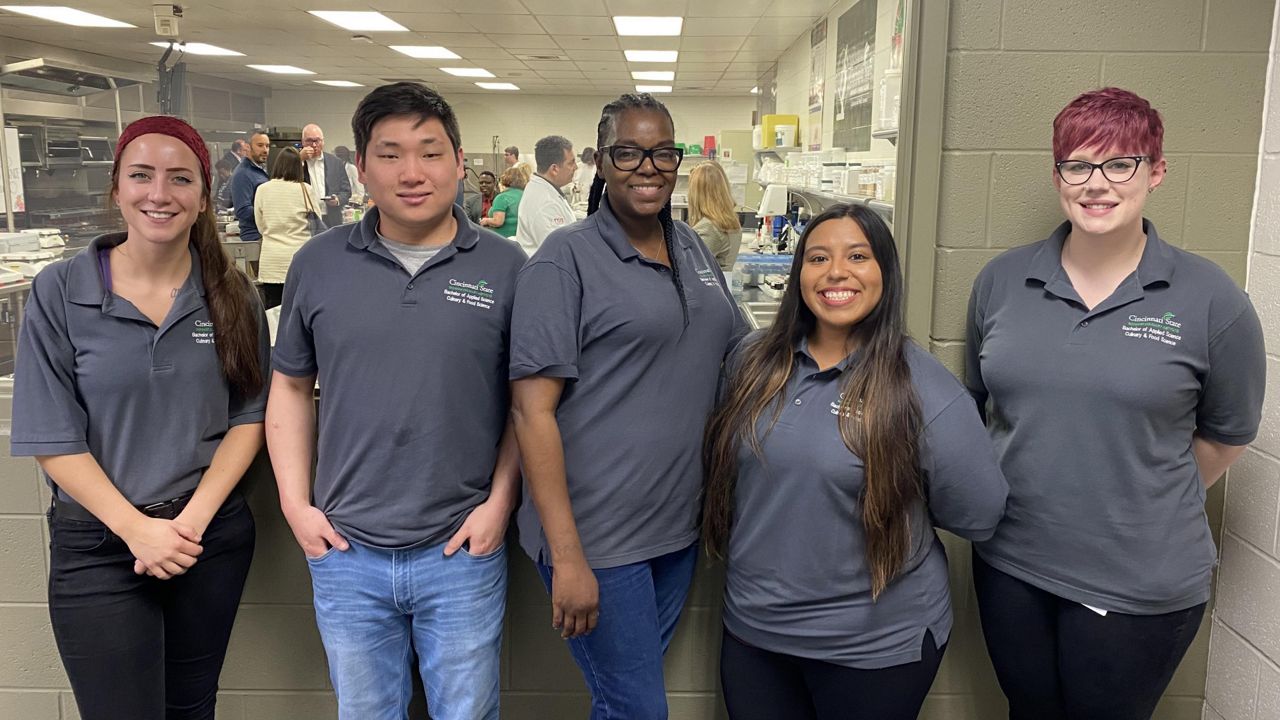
[228, 294]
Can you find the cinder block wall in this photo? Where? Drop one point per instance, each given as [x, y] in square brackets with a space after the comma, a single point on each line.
[1244, 652]
[1011, 66]
[275, 668]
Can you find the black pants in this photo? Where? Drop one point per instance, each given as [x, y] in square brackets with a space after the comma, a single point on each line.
[140, 648]
[272, 294]
[1058, 660]
[763, 685]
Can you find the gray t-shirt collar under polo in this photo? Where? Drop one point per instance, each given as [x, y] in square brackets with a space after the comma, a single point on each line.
[365, 236]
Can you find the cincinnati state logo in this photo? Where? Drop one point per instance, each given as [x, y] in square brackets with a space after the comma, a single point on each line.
[476, 294]
[1164, 329]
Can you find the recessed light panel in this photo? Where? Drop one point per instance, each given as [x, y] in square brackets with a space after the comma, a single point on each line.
[199, 48]
[468, 72]
[338, 83]
[281, 69]
[497, 86]
[659, 56]
[360, 21]
[653, 88]
[66, 16]
[426, 52]
[662, 75]
[633, 25]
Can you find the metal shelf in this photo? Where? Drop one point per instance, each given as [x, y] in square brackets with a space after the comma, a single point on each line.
[830, 198]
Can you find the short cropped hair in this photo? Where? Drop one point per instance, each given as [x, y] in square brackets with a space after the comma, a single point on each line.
[549, 151]
[402, 98]
[1109, 118]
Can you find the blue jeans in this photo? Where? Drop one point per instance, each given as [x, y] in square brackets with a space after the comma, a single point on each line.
[375, 607]
[621, 659]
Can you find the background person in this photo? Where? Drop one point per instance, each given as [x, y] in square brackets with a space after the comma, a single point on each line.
[326, 175]
[713, 214]
[149, 542]
[1120, 376]
[542, 207]
[280, 210]
[872, 443]
[478, 205]
[343, 153]
[244, 185]
[620, 326]
[505, 211]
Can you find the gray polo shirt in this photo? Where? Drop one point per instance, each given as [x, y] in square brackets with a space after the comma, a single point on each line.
[1093, 411]
[95, 375]
[412, 372]
[798, 581]
[640, 384]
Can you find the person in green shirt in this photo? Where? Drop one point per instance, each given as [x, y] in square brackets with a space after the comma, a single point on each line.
[506, 206]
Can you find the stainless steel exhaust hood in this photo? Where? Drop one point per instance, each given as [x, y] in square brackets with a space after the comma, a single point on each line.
[64, 78]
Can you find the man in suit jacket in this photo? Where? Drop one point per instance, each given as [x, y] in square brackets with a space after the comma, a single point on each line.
[327, 175]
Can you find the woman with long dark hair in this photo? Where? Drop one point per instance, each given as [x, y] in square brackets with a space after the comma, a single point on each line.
[620, 327]
[1120, 376]
[140, 390]
[836, 447]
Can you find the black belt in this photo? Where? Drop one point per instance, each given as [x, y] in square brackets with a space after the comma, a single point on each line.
[165, 509]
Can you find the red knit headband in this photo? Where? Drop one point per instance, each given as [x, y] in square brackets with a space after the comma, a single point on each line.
[174, 128]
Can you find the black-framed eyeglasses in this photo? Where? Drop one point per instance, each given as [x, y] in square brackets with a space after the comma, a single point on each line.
[1117, 169]
[630, 157]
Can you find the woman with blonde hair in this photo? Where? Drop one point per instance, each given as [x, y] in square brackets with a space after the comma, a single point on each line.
[712, 213]
[506, 206]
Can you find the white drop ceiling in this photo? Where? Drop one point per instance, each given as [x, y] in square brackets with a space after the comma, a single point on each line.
[548, 47]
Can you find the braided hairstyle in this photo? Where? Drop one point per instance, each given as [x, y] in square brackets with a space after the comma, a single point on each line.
[606, 133]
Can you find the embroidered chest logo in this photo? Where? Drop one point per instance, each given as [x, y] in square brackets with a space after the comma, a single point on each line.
[1163, 329]
[856, 414]
[475, 294]
[708, 277]
[203, 332]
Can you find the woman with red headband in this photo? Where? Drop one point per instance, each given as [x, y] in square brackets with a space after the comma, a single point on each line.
[140, 391]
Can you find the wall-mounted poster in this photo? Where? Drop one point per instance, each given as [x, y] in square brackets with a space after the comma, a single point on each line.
[817, 81]
[855, 50]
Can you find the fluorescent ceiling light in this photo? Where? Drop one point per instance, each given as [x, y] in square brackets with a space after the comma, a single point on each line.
[755, 90]
[497, 86]
[633, 25]
[667, 75]
[662, 56]
[653, 88]
[198, 48]
[468, 72]
[426, 52]
[363, 21]
[66, 16]
[281, 69]
[338, 83]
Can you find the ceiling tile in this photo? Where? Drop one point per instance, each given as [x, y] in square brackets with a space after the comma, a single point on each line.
[545, 65]
[776, 44]
[487, 7]
[506, 24]
[530, 42]
[697, 76]
[432, 22]
[769, 56]
[604, 67]
[691, 67]
[695, 27]
[649, 7]
[795, 8]
[594, 55]
[567, 7]
[588, 42]
[791, 27]
[576, 25]
[727, 8]
[453, 41]
[716, 56]
[716, 42]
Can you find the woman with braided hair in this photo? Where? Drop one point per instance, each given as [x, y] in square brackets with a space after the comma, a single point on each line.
[620, 327]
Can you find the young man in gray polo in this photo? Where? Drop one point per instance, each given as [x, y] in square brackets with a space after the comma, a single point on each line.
[404, 317]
